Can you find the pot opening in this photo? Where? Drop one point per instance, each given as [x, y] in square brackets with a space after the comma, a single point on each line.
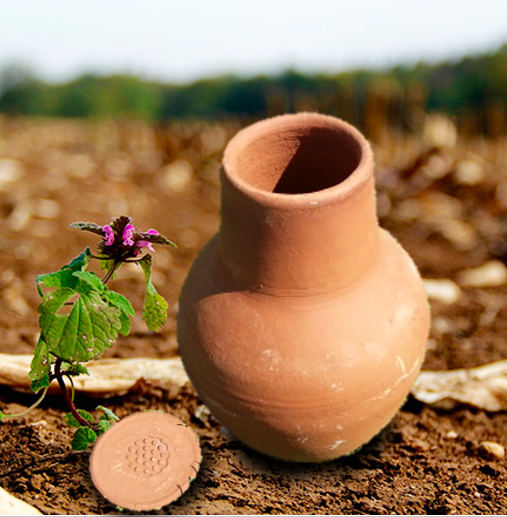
[299, 160]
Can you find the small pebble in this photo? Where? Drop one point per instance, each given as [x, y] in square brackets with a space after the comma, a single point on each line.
[202, 413]
[490, 274]
[492, 450]
[452, 435]
[420, 445]
[444, 290]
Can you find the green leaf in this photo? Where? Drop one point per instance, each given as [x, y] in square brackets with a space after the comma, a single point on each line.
[54, 300]
[75, 369]
[121, 303]
[90, 280]
[155, 306]
[89, 227]
[154, 238]
[86, 332]
[40, 384]
[70, 419]
[107, 420]
[40, 367]
[83, 437]
[65, 277]
[103, 426]
[105, 264]
[108, 414]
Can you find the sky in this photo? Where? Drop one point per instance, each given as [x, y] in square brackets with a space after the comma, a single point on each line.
[184, 40]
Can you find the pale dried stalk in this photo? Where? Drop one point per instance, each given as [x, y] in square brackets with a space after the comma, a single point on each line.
[10, 505]
[107, 376]
[484, 387]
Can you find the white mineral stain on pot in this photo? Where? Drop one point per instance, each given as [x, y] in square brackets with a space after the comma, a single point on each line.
[272, 359]
[385, 392]
[401, 363]
[336, 444]
[402, 314]
[337, 386]
[376, 350]
[400, 379]
[221, 407]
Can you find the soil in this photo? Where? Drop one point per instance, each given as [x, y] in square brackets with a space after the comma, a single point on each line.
[447, 206]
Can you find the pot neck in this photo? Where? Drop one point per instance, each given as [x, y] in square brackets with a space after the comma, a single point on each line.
[298, 241]
[298, 250]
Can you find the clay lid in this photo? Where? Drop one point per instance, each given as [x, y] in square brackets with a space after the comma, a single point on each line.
[145, 461]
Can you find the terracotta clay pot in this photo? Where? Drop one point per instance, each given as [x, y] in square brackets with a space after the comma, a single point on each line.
[302, 325]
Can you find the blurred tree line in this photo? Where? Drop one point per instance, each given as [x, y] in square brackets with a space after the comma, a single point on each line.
[472, 90]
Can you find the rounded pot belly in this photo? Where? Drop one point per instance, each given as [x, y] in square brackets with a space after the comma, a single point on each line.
[308, 377]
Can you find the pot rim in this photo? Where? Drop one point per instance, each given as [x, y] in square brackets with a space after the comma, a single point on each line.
[360, 175]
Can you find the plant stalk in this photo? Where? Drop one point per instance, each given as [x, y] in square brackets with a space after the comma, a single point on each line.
[110, 273]
[67, 397]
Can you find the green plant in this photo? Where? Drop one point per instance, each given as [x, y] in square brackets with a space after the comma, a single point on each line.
[80, 317]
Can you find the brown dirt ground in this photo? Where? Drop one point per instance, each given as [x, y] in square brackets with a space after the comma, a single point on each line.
[447, 206]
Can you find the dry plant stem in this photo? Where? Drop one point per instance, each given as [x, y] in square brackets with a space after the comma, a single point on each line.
[67, 397]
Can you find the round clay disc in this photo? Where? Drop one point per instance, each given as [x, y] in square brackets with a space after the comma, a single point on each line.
[145, 461]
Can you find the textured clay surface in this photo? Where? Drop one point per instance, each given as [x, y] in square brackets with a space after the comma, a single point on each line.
[145, 461]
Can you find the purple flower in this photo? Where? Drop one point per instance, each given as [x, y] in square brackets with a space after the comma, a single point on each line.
[121, 240]
[109, 233]
[146, 244]
[128, 234]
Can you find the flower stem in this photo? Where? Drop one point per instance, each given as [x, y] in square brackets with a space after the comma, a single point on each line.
[110, 273]
[26, 411]
[68, 400]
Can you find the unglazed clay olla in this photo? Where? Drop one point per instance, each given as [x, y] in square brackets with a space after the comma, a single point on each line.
[302, 324]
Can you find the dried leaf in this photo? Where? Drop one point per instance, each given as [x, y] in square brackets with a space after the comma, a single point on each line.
[10, 505]
[106, 376]
[484, 387]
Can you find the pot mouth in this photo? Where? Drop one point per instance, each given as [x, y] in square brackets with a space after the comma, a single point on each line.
[303, 156]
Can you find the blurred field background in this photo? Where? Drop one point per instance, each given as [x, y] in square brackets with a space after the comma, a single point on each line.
[471, 90]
